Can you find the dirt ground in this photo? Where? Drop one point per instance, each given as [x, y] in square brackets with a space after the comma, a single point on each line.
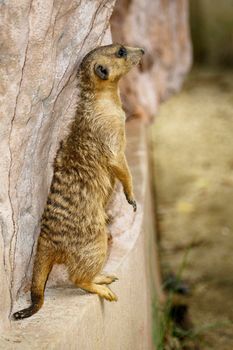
[193, 155]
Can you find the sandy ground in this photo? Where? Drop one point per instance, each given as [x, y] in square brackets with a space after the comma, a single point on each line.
[193, 154]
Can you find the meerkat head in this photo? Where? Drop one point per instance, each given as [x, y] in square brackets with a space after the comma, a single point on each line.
[107, 64]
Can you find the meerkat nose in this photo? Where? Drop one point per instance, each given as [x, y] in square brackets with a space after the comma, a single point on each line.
[142, 50]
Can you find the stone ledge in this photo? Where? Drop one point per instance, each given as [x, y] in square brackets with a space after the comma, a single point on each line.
[73, 319]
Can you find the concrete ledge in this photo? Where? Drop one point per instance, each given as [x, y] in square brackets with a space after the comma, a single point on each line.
[73, 319]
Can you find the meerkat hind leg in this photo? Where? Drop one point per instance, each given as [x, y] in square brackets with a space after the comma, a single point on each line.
[104, 279]
[101, 290]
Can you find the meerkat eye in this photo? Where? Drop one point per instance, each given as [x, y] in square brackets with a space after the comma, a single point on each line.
[122, 52]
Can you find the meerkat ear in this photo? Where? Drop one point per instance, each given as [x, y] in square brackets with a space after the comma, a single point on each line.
[101, 71]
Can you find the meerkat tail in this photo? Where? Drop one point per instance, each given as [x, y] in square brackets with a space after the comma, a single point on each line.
[42, 267]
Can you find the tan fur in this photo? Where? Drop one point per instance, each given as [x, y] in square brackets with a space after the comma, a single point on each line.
[89, 160]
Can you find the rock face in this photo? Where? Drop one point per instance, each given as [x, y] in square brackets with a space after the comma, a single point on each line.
[41, 45]
[161, 27]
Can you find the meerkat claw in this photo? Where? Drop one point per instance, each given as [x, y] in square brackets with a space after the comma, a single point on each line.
[105, 279]
[111, 296]
[114, 279]
[133, 203]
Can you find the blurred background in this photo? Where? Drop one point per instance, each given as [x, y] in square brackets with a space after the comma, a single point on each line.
[193, 170]
[212, 32]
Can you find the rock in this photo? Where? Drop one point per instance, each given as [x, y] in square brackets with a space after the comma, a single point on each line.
[41, 46]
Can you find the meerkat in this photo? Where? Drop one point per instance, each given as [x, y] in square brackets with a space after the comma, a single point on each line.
[87, 164]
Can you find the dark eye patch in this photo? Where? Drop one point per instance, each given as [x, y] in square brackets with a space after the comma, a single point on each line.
[101, 71]
[122, 52]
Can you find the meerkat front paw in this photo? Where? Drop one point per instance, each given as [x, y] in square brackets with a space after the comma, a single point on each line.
[131, 201]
